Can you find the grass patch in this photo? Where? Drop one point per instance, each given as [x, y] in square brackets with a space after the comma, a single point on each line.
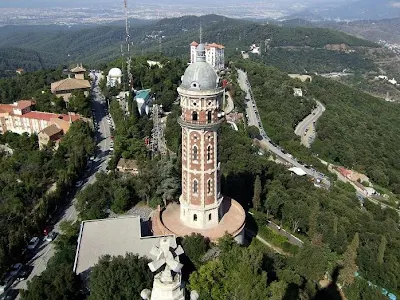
[276, 239]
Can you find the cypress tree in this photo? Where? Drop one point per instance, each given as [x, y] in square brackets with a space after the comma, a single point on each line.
[349, 261]
[257, 193]
[381, 250]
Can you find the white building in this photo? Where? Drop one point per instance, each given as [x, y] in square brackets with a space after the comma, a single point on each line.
[214, 54]
[114, 77]
[297, 92]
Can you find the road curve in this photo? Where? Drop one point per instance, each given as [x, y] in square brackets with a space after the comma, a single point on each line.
[306, 128]
[253, 118]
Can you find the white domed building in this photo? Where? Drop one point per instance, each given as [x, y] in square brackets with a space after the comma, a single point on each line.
[114, 77]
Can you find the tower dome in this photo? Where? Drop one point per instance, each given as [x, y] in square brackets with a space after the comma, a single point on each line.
[200, 76]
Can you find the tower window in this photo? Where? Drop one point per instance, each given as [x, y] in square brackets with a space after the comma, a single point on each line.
[208, 152]
[209, 116]
[195, 186]
[195, 153]
[194, 116]
[194, 217]
[209, 217]
[209, 186]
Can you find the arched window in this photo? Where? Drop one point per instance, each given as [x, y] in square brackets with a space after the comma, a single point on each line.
[195, 186]
[209, 186]
[208, 152]
[194, 116]
[209, 217]
[194, 217]
[195, 153]
[209, 116]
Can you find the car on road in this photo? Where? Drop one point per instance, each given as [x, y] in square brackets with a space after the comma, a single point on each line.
[6, 282]
[33, 243]
[51, 236]
[15, 269]
[25, 272]
[11, 294]
[79, 184]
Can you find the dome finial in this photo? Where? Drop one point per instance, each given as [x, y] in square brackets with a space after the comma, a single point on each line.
[200, 53]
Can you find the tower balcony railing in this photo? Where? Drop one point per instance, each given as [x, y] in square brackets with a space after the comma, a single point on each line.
[200, 124]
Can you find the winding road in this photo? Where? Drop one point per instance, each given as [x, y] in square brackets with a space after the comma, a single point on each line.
[254, 119]
[306, 128]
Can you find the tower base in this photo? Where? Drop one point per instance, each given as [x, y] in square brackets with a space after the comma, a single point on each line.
[233, 220]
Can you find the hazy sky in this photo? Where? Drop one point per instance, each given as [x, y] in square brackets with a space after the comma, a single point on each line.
[85, 3]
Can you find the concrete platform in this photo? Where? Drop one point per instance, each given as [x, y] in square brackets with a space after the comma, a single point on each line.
[168, 221]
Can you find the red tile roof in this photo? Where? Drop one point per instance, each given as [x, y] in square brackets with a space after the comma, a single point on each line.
[22, 104]
[6, 108]
[194, 44]
[38, 115]
[214, 45]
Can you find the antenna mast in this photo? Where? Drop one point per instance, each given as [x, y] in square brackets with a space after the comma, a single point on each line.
[201, 34]
[127, 42]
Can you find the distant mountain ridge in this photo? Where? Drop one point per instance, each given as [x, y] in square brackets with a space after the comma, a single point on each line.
[63, 45]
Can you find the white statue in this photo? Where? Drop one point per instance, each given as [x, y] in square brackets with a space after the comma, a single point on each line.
[168, 281]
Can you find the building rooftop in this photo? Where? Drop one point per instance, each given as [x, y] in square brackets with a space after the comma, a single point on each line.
[208, 46]
[69, 84]
[51, 130]
[143, 94]
[113, 236]
[78, 69]
[127, 164]
[48, 116]
[21, 104]
[214, 45]
[298, 171]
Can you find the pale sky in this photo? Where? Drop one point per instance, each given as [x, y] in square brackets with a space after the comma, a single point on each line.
[83, 3]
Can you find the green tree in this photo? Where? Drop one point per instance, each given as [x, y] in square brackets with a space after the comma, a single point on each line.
[349, 262]
[121, 199]
[381, 250]
[257, 193]
[253, 132]
[119, 277]
[56, 284]
[195, 246]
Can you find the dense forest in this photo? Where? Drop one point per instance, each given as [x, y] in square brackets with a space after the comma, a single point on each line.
[12, 59]
[358, 131]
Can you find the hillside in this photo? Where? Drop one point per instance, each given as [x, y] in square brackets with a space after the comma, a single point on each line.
[12, 59]
[97, 45]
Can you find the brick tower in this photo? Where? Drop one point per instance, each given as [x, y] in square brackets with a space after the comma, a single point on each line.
[201, 98]
[203, 209]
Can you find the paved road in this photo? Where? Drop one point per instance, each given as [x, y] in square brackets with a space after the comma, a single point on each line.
[45, 250]
[253, 118]
[306, 128]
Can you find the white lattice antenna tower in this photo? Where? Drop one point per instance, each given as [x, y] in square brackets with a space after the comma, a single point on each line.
[128, 48]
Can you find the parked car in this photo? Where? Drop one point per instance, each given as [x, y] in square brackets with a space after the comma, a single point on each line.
[51, 236]
[11, 294]
[24, 274]
[16, 269]
[33, 243]
[6, 282]
[78, 184]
